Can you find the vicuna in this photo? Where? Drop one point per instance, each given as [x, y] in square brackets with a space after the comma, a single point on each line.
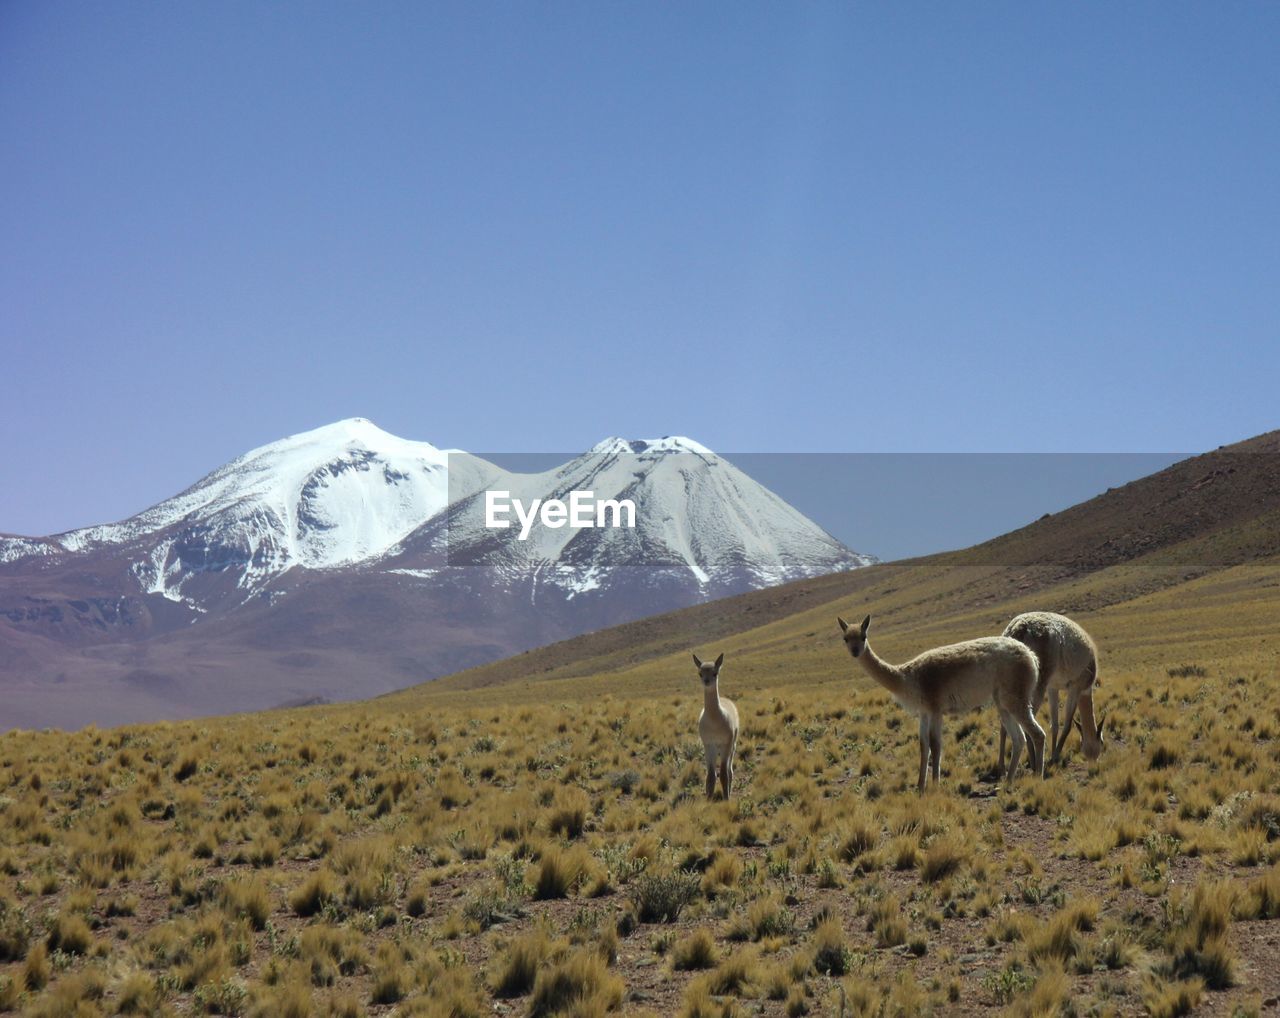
[954, 680]
[1068, 659]
[717, 726]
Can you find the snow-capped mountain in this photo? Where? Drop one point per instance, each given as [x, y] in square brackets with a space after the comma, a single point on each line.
[345, 561]
[324, 499]
[699, 520]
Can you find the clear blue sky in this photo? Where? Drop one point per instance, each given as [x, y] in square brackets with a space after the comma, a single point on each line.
[809, 227]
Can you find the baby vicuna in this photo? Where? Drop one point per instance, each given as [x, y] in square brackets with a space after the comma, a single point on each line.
[954, 680]
[717, 726]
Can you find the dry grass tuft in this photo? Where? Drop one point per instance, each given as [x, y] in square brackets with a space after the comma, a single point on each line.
[696, 951]
[580, 984]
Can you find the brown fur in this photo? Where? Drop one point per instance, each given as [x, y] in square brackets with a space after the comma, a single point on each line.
[955, 679]
[1068, 660]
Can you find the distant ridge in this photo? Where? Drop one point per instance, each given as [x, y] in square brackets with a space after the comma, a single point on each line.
[345, 561]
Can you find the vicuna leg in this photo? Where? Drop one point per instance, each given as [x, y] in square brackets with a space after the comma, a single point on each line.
[1054, 701]
[711, 772]
[1073, 700]
[1035, 735]
[1016, 738]
[726, 775]
[1000, 757]
[935, 746]
[924, 751]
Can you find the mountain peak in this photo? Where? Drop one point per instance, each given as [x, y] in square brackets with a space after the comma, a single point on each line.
[636, 446]
[351, 432]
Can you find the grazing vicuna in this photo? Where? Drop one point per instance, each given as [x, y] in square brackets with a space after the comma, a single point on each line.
[954, 680]
[717, 726]
[1068, 659]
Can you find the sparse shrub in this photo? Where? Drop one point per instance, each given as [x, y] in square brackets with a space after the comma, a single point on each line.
[70, 935]
[516, 966]
[391, 978]
[122, 905]
[724, 870]
[699, 1003]
[860, 837]
[74, 994]
[490, 907]
[661, 897]
[1165, 754]
[580, 984]
[560, 871]
[330, 952]
[797, 1003]
[37, 969]
[417, 901]
[225, 996]
[1261, 899]
[1049, 993]
[1058, 939]
[904, 852]
[831, 955]
[764, 918]
[10, 993]
[313, 894]
[1263, 815]
[1198, 942]
[624, 781]
[1009, 984]
[291, 999]
[569, 817]
[942, 858]
[248, 899]
[733, 975]
[696, 951]
[1172, 1000]
[15, 930]
[886, 922]
[187, 768]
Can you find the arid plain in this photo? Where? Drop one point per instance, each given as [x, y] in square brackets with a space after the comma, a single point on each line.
[531, 837]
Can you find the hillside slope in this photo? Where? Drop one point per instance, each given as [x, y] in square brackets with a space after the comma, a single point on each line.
[1198, 518]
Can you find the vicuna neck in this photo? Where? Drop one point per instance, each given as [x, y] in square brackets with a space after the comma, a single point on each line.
[884, 673]
[711, 696]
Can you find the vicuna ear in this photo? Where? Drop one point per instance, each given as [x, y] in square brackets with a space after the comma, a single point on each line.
[866, 624]
[844, 626]
[719, 662]
[697, 661]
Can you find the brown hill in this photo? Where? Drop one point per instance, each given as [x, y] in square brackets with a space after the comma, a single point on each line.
[1202, 515]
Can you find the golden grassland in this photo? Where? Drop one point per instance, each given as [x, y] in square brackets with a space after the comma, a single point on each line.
[543, 847]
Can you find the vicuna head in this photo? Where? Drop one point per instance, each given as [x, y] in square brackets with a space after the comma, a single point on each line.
[708, 673]
[1092, 744]
[854, 638]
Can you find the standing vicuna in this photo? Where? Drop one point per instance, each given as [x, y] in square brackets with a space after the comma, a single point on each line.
[956, 679]
[717, 726]
[1068, 660]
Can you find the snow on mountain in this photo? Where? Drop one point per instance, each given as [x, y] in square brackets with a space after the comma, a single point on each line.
[696, 513]
[350, 494]
[322, 499]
